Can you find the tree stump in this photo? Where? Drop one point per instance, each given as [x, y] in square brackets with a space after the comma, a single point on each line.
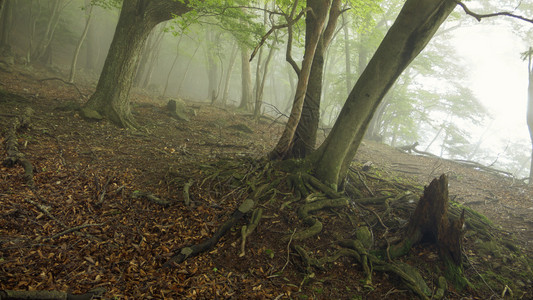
[430, 222]
[177, 109]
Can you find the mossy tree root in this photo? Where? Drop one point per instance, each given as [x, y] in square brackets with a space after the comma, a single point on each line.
[246, 230]
[193, 250]
[430, 220]
[315, 226]
[409, 275]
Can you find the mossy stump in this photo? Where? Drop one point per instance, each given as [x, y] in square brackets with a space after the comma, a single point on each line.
[430, 223]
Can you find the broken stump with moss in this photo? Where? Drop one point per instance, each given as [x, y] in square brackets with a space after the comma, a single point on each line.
[430, 223]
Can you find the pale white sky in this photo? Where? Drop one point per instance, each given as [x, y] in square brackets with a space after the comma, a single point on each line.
[497, 75]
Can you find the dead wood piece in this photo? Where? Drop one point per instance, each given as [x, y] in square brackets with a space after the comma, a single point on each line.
[150, 197]
[186, 197]
[193, 250]
[49, 295]
[430, 222]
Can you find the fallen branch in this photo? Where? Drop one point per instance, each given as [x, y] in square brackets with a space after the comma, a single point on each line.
[193, 250]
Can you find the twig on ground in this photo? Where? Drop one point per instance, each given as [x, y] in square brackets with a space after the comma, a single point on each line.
[71, 230]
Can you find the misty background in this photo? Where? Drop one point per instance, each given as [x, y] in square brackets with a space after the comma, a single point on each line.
[464, 97]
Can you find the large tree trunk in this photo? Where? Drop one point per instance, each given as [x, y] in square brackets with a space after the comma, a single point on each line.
[137, 19]
[415, 26]
[246, 79]
[314, 24]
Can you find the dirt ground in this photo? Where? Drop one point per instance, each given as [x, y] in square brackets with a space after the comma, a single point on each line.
[87, 174]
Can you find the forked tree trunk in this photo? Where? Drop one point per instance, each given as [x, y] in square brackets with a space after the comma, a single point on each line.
[413, 29]
[304, 140]
[137, 19]
[314, 24]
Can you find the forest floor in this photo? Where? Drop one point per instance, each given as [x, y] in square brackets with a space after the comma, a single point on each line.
[89, 173]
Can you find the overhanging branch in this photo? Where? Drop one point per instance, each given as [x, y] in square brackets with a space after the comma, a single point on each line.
[482, 16]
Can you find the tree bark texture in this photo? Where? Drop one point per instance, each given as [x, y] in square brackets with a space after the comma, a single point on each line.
[430, 222]
[317, 17]
[413, 29]
[246, 79]
[304, 140]
[137, 19]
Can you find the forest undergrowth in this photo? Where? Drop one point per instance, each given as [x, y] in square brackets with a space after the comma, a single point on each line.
[111, 210]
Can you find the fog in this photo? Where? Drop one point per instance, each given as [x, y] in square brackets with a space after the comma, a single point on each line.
[192, 64]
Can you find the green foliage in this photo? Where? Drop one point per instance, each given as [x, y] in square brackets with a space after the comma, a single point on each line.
[245, 25]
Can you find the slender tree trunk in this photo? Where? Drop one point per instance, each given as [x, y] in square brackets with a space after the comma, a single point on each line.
[414, 27]
[92, 47]
[43, 51]
[187, 68]
[314, 23]
[80, 42]
[212, 40]
[137, 19]
[246, 79]
[261, 87]
[154, 56]
[347, 60]
[530, 109]
[172, 66]
[32, 22]
[292, 94]
[6, 22]
[231, 63]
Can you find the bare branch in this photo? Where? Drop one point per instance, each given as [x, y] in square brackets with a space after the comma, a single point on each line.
[482, 16]
[290, 22]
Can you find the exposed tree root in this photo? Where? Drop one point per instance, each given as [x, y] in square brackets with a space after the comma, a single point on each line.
[246, 230]
[193, 250]
[310, 201]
